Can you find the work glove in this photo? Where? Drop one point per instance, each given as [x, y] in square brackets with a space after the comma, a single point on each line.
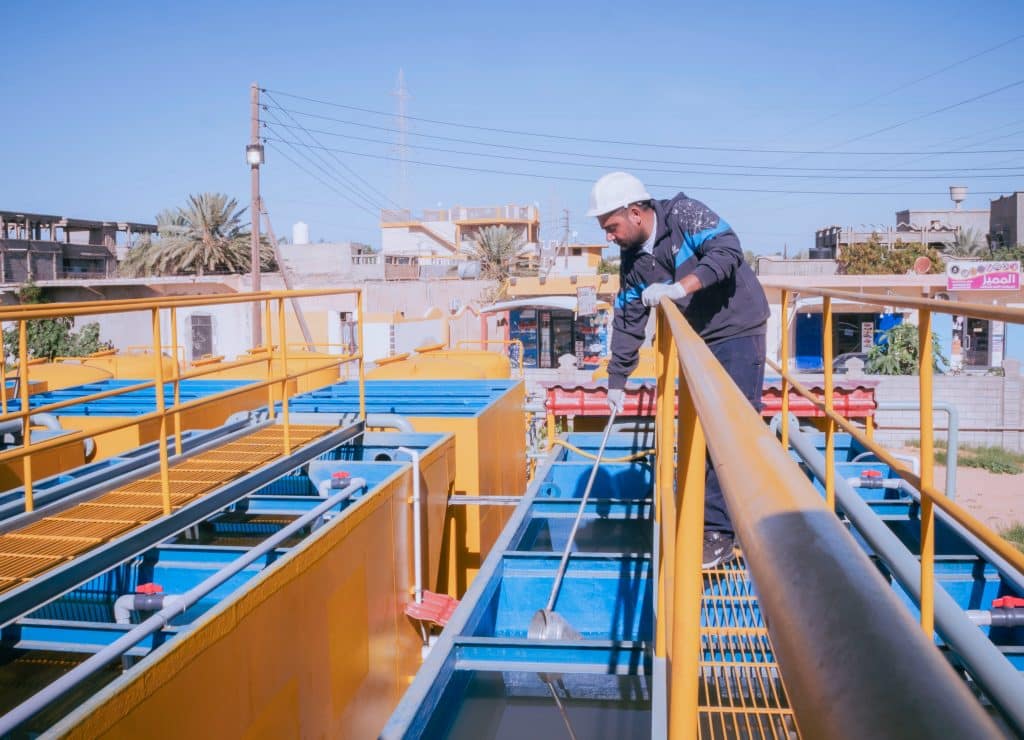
[616, 400]
[652, 293]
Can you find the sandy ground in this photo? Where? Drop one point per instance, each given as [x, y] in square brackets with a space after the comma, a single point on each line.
[997, 500]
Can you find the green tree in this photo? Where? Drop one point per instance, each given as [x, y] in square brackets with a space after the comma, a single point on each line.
[205, 236]
[51, 338]
[496, 248]
[607, 267]
[897, 353]
[874, 258]
[967, 244]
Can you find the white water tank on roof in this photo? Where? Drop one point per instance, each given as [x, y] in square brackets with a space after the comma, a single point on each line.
[300, 233]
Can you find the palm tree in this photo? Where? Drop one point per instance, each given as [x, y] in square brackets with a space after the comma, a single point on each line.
[205, 236]
[967, 244]
[496, 248]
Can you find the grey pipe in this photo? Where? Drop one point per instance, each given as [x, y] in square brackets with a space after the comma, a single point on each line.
[990, 668]
[417, 524]
[952, 435]
[47, 421]
[40, 700]
[128, 603]
[389, 421]
[1006, 570]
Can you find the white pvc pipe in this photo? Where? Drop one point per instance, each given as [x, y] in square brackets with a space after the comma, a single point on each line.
[41, 699]
[417, 525]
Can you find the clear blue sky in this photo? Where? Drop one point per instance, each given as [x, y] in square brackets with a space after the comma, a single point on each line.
[117, 110]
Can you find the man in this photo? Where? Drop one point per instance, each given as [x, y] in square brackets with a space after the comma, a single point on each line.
[681, 249]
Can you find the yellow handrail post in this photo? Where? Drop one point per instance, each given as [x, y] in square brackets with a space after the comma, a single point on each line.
[925, 362]
[282, 334]
[689, 580]
[665, 502]
[784, 359]
[830, 427]
[177, 382]
[269, 334]
[3, 371]
[25, 412]
[360, 303]
[161, 407]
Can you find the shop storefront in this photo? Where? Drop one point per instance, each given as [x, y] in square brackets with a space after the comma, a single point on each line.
[550, 328]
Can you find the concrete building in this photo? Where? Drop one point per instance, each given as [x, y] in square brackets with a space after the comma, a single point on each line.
[937, 228]
[1006, 224]
[38, 246]
[449, 232]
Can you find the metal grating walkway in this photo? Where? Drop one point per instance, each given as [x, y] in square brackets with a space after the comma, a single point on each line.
[27, 552]
[741, 693]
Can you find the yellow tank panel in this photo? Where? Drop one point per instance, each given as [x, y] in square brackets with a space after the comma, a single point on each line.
[493, 364]
[54, 376]
[645, 368]
[425, 368]
[133, 366]
[357, 654]
[298, 361]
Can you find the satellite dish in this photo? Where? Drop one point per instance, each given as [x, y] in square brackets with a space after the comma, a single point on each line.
[922, 265]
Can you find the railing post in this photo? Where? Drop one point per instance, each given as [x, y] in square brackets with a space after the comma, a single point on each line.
[161, 407]
[283, 339]
[927, 435]
[784, 361]
[830, 425]
[269, 334]
[26, 413]
[665, 503]
[689, 580]
[177, 382]
[3, 371]
[362, 356]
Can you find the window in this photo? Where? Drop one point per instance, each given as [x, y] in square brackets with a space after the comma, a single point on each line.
[201, 331]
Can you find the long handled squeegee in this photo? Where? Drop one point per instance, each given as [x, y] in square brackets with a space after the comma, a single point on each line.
[547, 624]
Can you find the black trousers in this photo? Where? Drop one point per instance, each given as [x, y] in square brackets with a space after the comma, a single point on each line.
[743, 359]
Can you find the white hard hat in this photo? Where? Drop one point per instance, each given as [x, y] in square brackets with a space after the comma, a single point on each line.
[614, 191]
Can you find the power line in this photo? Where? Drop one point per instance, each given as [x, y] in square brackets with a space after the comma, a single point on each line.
[615, 142]
[949, 171]
[1017, 172]
[943, 109]
[360, 206]
[590, 180]
[328, 169]
[347, 168]
[905, 85]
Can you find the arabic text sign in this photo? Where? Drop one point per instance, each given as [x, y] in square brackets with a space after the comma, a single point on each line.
[586, 300]
[982, 275]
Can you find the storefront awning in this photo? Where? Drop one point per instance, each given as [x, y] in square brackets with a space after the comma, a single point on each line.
[561, 302]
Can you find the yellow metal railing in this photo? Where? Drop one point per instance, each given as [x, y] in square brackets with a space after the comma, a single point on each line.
[483, 343]
[853, 663]
[163, 413]
[930, 496]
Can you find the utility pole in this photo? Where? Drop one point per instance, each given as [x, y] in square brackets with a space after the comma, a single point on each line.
[254, 156]
[565, 237]
[403, 171]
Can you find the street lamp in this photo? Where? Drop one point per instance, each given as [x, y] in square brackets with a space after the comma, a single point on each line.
[254, 154]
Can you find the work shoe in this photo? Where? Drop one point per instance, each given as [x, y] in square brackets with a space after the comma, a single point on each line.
[718, 549]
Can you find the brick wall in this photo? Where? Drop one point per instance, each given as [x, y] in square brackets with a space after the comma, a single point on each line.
[990, 407]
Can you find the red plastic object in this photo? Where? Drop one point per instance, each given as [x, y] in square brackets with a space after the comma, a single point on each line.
[871, 474]
[341, 474]
[1008, 602]
[149, 589]
[436, 608]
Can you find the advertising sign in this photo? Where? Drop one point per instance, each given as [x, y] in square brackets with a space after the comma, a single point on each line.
[586, 301]
[867, 335]
[961, 275]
